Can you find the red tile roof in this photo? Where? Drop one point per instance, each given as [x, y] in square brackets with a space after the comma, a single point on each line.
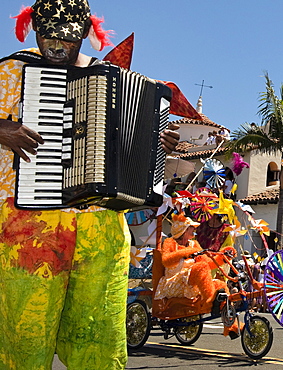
[183, 146]
[204, 122]
[268, 196]
[201, 153]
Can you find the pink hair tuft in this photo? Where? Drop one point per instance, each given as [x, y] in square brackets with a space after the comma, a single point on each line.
[101, 34]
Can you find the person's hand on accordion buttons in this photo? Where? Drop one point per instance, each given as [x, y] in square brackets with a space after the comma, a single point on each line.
[170, 138]
[19, 138]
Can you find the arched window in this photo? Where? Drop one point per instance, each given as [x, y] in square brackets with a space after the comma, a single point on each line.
[273, 174]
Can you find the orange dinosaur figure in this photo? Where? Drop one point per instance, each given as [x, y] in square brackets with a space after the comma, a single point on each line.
[187, 273]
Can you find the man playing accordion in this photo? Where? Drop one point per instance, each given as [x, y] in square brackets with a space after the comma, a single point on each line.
[63, 273]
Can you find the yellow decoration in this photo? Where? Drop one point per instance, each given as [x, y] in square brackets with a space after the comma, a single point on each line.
[234, 188]
[225, 207]
[137, 255]
[261, 226]
[235, 229]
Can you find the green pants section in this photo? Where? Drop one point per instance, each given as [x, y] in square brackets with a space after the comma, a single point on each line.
[29, 321]
[77, 309]
[92, 331]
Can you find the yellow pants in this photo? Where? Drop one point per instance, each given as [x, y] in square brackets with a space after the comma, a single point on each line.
[63, 288]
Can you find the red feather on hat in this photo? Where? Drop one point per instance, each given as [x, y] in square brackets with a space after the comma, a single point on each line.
[101, 35]
[23, 23]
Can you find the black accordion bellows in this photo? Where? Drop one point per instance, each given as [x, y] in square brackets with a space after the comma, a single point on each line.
[101, 126]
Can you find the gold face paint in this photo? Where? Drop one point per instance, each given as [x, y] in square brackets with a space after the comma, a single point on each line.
[57, 51]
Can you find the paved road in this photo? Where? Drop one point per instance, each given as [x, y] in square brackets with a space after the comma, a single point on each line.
[211, 351]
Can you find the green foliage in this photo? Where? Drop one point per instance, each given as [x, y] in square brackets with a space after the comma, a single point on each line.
[268, 137]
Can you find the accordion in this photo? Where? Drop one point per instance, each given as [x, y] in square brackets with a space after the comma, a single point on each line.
[101, 127]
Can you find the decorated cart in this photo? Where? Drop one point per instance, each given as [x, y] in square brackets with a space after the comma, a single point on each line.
[184, 317]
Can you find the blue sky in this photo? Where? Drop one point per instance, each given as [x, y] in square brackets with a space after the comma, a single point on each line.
[228, 44]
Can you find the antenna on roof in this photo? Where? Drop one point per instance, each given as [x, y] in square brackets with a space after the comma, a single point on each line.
[199, 103]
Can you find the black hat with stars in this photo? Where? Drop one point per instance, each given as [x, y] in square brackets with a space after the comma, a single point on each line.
[61, 19]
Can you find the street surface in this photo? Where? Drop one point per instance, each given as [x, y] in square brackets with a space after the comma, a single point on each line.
[211, 351]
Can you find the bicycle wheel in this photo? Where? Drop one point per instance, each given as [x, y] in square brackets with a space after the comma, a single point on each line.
[137, 324]
[273, 285]
[257, 337]
[228, 315]
[188, 334]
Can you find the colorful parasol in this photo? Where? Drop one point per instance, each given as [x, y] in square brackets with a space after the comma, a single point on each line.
[214, 173]
[273, 283]
[205, 192]
[202, 203]
[139, 217]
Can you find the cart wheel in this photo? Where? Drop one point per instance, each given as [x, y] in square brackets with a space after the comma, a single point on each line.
[257, 337]
[188, 334]
[137, 324]
[273, 285]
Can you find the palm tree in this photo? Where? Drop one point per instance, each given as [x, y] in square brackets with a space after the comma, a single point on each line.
[266, 138]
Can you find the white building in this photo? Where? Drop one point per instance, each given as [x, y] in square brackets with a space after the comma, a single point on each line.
[258, 185]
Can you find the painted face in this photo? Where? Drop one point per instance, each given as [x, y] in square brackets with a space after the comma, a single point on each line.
[59, 52]
[190, 232]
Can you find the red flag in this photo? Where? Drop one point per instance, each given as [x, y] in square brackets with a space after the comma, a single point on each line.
[121, 55]
[179, 105]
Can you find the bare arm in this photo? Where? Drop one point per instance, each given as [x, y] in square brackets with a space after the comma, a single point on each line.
[19, 137]
[172, 252]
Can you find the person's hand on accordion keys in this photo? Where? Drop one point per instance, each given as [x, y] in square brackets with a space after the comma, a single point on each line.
[170, 138]
[19, 138]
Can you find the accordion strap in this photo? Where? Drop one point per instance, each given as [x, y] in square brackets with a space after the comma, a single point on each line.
[31, 57]
[25, 56]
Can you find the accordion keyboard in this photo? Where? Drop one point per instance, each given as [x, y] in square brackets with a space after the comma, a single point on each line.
[40, 181]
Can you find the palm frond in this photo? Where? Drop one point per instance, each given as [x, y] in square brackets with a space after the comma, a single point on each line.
[248, 138]
[271, 110]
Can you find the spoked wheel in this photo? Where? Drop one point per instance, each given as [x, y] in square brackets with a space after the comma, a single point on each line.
[257, 337]
[188, 334]
[228, 315]
[273, 285]
[137, 324]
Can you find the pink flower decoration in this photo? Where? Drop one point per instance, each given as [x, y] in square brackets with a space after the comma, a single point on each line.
[238, 164]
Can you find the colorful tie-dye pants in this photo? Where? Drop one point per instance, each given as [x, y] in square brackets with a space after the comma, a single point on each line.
[63, 289]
